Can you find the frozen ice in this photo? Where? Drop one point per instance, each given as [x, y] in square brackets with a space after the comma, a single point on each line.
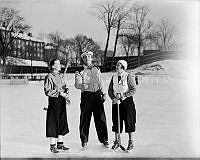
[167, 121]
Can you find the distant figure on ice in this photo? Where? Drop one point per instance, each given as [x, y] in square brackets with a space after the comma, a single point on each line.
[92, 98]
[56, 120]
[122, 88]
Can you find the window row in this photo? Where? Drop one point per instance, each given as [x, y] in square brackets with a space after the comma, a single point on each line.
[27, 54]
[28, 43]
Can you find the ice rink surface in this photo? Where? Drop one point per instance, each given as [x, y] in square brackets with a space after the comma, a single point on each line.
[167, 122]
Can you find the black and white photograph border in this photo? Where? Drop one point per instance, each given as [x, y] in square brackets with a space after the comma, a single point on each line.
[159, 40]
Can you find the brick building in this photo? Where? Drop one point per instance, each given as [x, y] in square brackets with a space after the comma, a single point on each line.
[27, 47]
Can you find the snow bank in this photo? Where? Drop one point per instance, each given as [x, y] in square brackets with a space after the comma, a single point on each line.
[166, 67]
[162, 72]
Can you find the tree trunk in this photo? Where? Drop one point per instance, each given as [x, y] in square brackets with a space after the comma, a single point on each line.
[115, 46]
[4, 66]
[139, 46]
[138, 56]
[4, 60]
[106, 48]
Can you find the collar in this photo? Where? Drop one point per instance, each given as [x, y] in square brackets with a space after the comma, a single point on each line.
[55, 74]
[121, 74]
[88, 67]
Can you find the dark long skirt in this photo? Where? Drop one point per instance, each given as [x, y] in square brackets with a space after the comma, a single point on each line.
[56, 120]
[127, 114]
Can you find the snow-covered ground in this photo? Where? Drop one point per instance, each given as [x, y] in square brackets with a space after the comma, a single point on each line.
[167, 118]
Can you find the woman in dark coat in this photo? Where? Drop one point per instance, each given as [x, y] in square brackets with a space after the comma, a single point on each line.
[56, 120]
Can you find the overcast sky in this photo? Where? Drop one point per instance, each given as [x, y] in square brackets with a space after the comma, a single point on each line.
[73, 16]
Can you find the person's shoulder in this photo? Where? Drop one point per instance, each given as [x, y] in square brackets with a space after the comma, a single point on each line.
[97, 68]
[130, 75]
[48, 76]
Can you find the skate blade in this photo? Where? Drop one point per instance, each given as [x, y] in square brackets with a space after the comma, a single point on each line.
[83, 148]
[122, 148]
[63, 151]
[129, 151]
[107, 147]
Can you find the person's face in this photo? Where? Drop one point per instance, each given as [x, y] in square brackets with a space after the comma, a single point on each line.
[87, 59]
[57, 65]
[119, 67]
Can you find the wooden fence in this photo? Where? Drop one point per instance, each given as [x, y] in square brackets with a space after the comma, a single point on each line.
[132, 61]
[144, 59]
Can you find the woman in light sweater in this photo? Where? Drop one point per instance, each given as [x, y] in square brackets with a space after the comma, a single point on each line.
[121, 89]
[56, 120]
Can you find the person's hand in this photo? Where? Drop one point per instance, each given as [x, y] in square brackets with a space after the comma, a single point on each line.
[63, 94]
[77, 74]
[115, 100]
[78, 78]
[66, 90]
[103, 97]
[85, 86]
[45, 108]
[118, 96]
[68, 100]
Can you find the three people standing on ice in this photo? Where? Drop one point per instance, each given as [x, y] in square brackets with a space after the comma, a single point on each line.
[121, 88]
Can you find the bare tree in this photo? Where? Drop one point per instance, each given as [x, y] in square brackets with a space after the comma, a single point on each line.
[56, 39]
[11, 24]
[122, 13]
[165, 34]
[140, 26]
[128, 43]
[83, 44]
[69, 45]
[42, 36]
[105, 11]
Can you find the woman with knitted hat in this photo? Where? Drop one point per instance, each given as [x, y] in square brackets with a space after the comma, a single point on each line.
[122, 88]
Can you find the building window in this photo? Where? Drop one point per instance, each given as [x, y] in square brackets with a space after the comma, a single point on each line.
[14, 53]
[19, 53]
[22, 43]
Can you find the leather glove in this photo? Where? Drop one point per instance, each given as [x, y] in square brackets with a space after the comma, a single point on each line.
[114, 101]
[119, 96]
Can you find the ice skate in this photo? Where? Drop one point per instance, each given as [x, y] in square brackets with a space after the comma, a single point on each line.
[84, 145]
[115, 145]
[62, 147]
[106, 144]
[53, 149]
[130, 146]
